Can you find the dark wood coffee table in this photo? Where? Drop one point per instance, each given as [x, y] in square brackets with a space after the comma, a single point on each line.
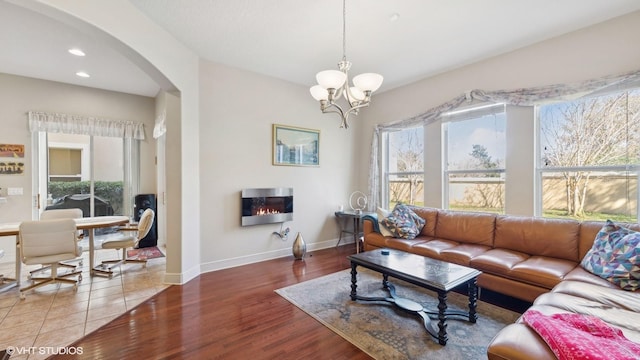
[436, 275]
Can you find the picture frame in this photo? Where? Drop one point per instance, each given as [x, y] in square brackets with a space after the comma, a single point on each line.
[295, 146]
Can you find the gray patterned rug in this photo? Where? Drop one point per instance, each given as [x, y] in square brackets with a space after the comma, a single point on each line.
[386, 332]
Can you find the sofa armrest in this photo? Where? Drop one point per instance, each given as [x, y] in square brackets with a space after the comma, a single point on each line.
[373, 220]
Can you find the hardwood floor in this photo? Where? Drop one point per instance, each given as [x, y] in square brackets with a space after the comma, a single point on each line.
[228, 314]
[232, 314]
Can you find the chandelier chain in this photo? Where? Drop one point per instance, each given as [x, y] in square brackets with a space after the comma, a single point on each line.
[344, 29]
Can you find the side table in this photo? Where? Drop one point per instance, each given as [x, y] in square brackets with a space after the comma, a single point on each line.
[356, 219]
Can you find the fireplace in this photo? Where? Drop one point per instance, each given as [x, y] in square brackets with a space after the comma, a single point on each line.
[267, 206]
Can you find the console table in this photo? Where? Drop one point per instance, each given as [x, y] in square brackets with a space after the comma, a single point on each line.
[356, 218]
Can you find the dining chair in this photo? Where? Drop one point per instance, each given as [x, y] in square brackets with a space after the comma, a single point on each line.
[138, 232]
[49, 242]
[73, 213]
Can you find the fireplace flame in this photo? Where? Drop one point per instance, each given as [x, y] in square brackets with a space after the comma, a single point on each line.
[265, 211]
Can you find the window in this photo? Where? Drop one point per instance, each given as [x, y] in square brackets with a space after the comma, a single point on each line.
[403, 167]
[474, 158]
[589, 157]
[72, 166]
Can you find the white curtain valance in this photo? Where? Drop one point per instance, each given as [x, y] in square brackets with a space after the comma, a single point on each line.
[518, 97]
[84, 125]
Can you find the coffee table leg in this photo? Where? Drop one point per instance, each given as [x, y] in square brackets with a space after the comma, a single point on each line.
[473, 297]
[354, 279]
[442, 317]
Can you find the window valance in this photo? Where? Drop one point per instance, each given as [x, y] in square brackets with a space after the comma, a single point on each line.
[517, 97]
[84, 125]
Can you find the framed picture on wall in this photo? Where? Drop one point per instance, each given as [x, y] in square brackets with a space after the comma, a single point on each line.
[11, 159]
[295, 146]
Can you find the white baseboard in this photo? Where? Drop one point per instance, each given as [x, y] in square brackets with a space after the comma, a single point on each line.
[250, 259]
[181, 278]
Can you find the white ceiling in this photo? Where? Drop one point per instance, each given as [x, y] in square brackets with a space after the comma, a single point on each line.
[294, 39]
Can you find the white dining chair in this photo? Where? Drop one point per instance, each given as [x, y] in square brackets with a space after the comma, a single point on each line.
[131, 241]
[49, 242]
[73, 213]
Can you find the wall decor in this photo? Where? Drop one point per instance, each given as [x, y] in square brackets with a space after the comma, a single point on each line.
[11, 150]
[10, 166]
[294, 146]
[11, 159]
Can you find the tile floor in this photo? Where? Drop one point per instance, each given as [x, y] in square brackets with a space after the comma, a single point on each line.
[55, 315]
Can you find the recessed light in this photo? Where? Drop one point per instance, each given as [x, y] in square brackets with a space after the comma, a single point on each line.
[394, 17]
[83, 74]
[76, 52]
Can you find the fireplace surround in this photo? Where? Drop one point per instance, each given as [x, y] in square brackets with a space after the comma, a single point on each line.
[266, 206]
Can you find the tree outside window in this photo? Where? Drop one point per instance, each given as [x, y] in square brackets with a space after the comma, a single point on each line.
[475, 151]
[590, 157]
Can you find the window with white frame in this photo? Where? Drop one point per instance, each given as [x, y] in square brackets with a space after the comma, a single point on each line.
[474, 158]
[589, 157]
[403, 164]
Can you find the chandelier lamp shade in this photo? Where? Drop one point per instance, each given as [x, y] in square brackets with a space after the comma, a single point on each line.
[334, 84]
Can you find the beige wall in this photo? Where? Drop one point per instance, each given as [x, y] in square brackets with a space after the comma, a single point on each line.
[604, 49]
[237, 111]
[22, 94]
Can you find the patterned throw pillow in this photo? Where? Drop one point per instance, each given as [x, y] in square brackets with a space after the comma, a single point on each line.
[382, 214]
[403, 222]
[615, 256]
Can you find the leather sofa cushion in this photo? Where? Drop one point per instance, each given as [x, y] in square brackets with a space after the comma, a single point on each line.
[542, 271]
[628, 300]
[404, 244]
[498, 261]
[519, 341]
[463, 253]
[433, 248]
[467, 227]
[580, 274]
[554, 238]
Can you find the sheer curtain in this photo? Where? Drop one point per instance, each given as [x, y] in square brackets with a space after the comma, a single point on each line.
[518, 97]
[84, 125]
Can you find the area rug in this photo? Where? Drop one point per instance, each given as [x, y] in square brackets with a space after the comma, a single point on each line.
[145, 253]
[384, 331]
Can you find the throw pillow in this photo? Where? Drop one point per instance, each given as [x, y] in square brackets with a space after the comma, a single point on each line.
[403, 222]
[382, 214]
[615, 256]
[420, 222]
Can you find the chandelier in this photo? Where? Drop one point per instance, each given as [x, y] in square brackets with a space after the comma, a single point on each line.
[333, 84]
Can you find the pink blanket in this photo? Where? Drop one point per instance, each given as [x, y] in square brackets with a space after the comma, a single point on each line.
[576, 336]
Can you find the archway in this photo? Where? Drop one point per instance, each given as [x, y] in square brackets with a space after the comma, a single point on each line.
[175, 68]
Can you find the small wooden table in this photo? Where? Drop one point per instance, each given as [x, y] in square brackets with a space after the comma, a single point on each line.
[432, 274]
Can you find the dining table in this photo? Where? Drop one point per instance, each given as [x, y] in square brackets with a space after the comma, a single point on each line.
[86, 223]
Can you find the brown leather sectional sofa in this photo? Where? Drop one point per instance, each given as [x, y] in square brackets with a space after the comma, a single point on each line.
[533, 259]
